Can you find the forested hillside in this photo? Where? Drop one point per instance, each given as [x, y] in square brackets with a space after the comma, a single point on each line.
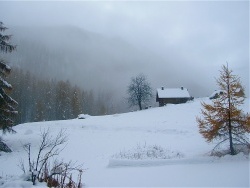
[50, 99]
[97, 62]
[74, 54]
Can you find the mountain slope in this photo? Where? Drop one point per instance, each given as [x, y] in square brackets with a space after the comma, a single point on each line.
[75, 54]
[96, 140]
[97, 62]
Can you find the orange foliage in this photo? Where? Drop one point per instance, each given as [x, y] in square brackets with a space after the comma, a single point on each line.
[222, 117]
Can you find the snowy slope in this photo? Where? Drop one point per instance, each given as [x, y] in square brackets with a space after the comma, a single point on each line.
[95, 141]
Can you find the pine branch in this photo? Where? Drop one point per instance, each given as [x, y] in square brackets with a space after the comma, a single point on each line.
[6, 47]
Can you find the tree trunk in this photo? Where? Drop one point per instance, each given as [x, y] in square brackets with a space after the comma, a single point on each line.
[232, 152]
[139, 103]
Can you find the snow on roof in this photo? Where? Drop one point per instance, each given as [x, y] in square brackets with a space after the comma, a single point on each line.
[173, 93]
[216, 93]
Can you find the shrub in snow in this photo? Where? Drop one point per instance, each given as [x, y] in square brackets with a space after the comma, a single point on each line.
[55, 174]
[147, 152]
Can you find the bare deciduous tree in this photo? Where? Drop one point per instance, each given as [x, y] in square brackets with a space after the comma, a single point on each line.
[139, 91]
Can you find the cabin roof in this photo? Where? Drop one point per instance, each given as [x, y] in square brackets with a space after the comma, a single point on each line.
[172, 93]
[216, 93]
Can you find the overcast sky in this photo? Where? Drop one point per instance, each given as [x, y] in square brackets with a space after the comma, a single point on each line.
[198, 37]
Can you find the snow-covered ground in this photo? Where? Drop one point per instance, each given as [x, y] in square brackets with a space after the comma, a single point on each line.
[157, 147]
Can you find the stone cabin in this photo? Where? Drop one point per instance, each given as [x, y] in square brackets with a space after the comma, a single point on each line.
[172, 95]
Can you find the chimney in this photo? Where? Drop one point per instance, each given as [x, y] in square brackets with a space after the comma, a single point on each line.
[162, 88]
[182, 88]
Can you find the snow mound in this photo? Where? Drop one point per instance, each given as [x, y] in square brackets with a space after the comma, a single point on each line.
[147, 152]
[18, 182]
[136, 163]
[83, 116]
[143, 156]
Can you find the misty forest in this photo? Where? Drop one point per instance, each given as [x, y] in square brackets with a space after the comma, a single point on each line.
[44, 100]
[38, 78]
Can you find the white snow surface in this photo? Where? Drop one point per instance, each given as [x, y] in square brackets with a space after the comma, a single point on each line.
[83, 116]
[96, 142]
[173, 93]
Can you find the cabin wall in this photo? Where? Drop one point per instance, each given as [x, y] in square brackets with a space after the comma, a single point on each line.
[163, 102]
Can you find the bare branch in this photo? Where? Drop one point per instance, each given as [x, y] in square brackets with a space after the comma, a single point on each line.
[21, 165]
[48, 148]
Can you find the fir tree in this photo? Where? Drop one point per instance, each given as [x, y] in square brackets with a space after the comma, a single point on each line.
[223, 120]
[75, 102]
[63, 102]
[6, 102]
[40, 111]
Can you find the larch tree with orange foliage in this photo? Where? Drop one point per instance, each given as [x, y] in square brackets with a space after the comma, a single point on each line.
[223, 119]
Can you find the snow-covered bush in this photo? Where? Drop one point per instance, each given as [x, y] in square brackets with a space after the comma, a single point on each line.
[147, 152]
[42, 168]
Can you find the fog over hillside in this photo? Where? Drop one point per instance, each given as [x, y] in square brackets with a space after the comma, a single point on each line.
[97, 62]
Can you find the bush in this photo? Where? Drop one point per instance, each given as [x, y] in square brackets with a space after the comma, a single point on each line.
[148, 152]
[54, 173]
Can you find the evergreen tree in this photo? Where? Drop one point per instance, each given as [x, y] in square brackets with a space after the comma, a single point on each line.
[49, 100]
[63, 100]
[223, 119]
[75, 102]
[16, 78]
[89, 102]
[6, 102]
[40, 111]
[28, 96]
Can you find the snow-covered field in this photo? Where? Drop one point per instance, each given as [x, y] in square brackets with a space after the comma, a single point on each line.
[157, 147]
